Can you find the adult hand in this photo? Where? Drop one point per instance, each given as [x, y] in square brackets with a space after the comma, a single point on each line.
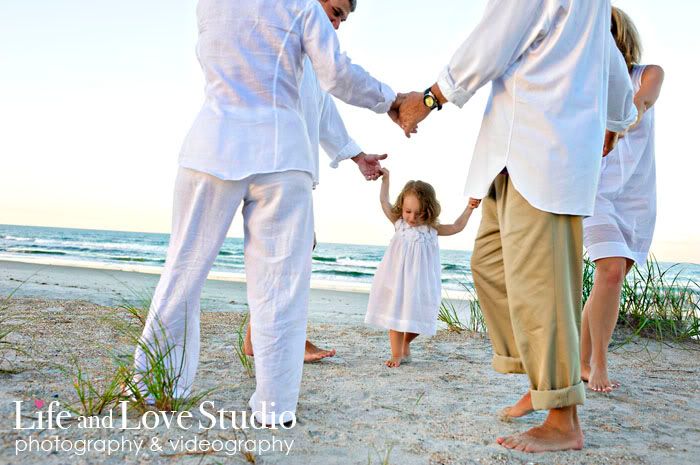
[610, 142]
[412, 111]
[394, 111]
[369, 165]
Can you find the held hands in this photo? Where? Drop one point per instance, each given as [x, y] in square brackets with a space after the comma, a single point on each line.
[385, 174]
[474, 203]
[369, 165]
[407, 111]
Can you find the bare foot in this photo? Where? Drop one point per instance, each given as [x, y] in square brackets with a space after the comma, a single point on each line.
[598, 381]
[521, 408]
[247, 343]
[560, 431]
[311, 352]
[585, 372]
[543, 439]
[393, 362]
[406, 358]
[314, 354]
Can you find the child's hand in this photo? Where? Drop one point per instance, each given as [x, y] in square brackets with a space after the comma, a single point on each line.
[385, 174]
[474, 203]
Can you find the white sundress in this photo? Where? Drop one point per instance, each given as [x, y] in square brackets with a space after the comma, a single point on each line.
[405, 294]
[624, 216]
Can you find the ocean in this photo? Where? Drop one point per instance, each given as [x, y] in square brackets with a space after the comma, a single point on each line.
[342, 264]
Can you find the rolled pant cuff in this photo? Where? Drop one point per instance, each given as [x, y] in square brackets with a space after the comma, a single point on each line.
[558, 398]
[503, 364]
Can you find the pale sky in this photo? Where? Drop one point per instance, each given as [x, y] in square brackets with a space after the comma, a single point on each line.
[97, 96]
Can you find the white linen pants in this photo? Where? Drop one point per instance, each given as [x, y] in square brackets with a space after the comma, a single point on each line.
[278, 222]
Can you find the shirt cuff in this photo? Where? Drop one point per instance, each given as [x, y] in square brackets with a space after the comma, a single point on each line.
[622, 126]
[451, 91]
[389, 97]
[349, 151]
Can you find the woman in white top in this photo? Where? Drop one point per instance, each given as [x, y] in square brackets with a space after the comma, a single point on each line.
[620, 231]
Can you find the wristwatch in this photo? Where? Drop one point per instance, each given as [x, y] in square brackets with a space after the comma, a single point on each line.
[430, 100]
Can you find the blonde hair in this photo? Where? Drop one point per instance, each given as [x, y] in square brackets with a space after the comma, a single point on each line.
[626, 37]
[429, 205]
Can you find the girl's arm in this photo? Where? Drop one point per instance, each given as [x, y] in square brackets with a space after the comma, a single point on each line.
[648, 93]
[461, 222]
[384, 196]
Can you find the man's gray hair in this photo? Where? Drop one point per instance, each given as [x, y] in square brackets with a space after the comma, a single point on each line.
[353, 5]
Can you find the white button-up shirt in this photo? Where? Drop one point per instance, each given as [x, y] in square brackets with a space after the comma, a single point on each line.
[324, 124]
[557, 82]
[252, 53]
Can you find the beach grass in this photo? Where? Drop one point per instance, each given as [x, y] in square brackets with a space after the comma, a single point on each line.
[94, 396]
[477, 323]
[655, 303]
[7, 329]
[156, 386]
[245, 360]
[449, 314]
[382, 456]
[138, 312]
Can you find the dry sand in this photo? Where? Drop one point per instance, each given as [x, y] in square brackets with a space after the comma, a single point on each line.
[441, 409]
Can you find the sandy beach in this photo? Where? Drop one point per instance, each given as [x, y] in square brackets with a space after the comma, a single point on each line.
[441, 409]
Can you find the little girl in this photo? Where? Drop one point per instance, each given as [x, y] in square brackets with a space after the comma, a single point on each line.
[405, 294]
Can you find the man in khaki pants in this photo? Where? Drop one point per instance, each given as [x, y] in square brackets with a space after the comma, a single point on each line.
[554, 70]
[527, 266]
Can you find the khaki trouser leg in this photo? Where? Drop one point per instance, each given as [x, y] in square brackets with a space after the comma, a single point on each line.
[542, 263]
[490, 284]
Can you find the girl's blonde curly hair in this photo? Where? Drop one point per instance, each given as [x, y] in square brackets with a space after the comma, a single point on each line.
[429, 205]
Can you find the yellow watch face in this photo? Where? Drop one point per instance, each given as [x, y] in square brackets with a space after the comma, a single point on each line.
[429, 101]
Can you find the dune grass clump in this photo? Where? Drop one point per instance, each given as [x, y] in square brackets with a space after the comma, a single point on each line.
[94, 395]
[449, 314]
[655, 303]
[156, 386]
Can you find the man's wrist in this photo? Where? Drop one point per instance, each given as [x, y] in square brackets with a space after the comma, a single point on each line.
[358, 157]
[435, 89]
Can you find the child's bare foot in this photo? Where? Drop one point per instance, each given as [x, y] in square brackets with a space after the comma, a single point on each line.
[393, 362]
[406, 357]
[406, 346]
[560, 431]
[521, 408]
[314, 354]
[598, 380]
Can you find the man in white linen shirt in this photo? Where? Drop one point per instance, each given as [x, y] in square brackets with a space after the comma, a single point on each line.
[250, 145]
[326, 128]
[554, 69]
